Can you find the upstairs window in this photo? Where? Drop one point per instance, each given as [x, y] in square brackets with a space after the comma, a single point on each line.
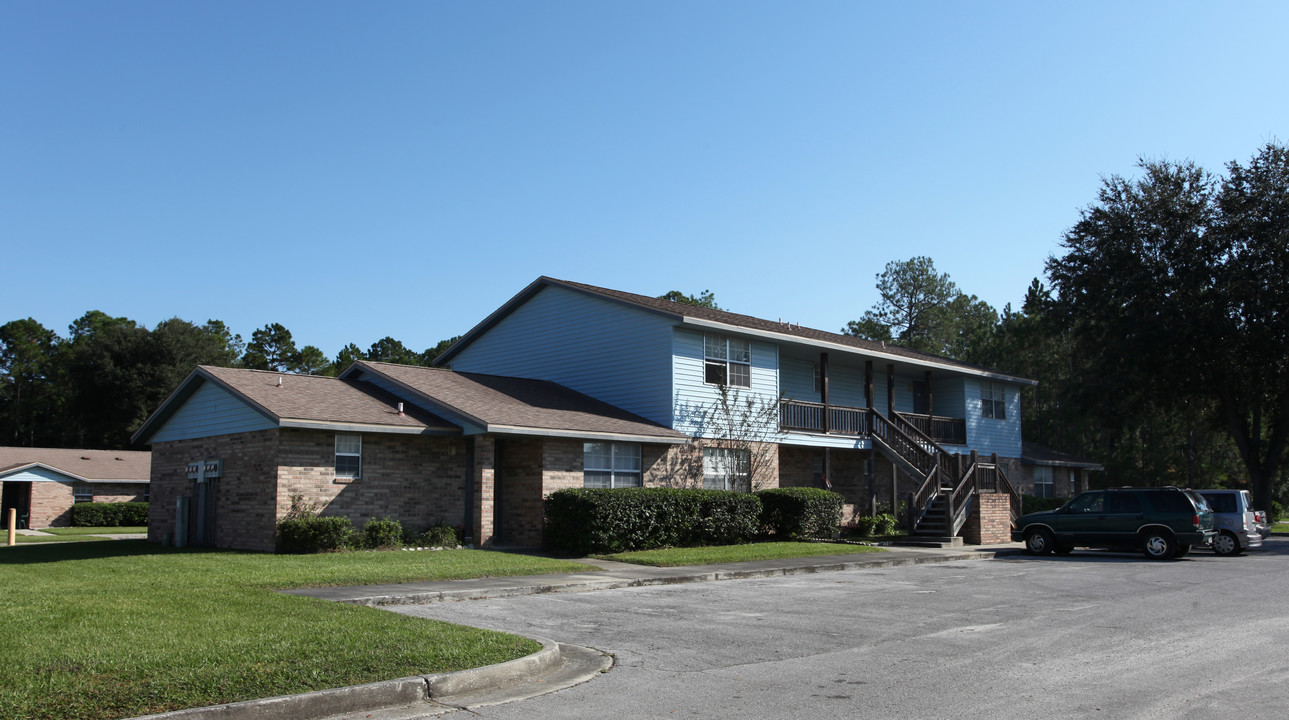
[349, 456]
[610, 465]
[727, 361]
[993, 401]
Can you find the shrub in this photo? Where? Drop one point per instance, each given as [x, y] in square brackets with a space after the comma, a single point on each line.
[587, 520]
[382, 534]
[109, 514]
[879, 524]
[439, 534]
[313, 534]
[1029, 504]
[801, 512]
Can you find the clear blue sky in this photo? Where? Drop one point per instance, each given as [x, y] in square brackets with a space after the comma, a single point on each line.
[403, 168]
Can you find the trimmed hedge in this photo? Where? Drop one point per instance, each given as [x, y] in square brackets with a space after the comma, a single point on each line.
[879, 524]
[313, 534]
[594, 520]
[1030, 504]
[796, 513]
[110, 514]
[383, 534]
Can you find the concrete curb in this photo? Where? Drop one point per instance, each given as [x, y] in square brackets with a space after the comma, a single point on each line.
[321, 704]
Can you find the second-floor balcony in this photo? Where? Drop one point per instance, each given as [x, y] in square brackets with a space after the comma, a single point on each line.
[844, 420]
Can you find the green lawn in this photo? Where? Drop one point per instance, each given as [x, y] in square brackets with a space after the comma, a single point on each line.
[671, 557]
[118, 629]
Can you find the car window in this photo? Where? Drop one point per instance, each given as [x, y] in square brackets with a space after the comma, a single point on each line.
[1248, 500]
[1170, 502]
[1120, 502]
[1088, 503]
[1220, 502]
[1200, 503]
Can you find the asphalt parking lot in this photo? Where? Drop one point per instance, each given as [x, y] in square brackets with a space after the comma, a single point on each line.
[1094, 634]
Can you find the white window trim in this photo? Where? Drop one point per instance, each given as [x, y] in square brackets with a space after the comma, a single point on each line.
[993, 395]
[82, 493]
[1049, 475]
[616, 449]
[339, 454]
[724, 466]
[726, 360]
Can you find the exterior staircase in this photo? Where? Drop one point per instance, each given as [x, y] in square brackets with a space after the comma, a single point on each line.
[947, 484]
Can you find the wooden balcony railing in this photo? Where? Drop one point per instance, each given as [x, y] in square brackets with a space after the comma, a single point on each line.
[843, 420]
[946, 430]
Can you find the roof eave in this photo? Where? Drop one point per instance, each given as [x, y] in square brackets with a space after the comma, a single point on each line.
[588, 435]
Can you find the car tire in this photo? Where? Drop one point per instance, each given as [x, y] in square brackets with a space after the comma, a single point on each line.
[1182, 550]
[1159, 545]
[1226, 544]
[1039, 542]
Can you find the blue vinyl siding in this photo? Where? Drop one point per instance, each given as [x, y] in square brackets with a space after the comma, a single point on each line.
[845, 383]
[37, 474]
[986, 435]
[693, 393]
[211, 411]
[607, 350]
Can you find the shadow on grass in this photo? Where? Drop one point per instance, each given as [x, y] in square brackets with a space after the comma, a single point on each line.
[59, 552]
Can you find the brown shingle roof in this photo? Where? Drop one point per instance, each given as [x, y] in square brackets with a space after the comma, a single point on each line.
[681, 311]
[501, 403]
[105, 465]
[322, 399]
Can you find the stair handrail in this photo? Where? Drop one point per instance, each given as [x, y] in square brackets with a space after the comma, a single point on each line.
[918, 455]
[1014, 497]
[956, 514]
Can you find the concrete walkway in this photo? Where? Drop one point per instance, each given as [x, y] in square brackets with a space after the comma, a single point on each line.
[557, 665]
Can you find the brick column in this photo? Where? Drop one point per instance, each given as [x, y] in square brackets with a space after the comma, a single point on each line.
[990, 520]
[483, 475]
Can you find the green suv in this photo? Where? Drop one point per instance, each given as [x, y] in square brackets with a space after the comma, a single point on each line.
[1164, 523]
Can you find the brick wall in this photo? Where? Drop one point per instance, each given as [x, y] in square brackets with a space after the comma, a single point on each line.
[118, 492]
[417, 480]
[519, 490]
[51, 505]
[245, 495]
[483, 475]
[990, 520]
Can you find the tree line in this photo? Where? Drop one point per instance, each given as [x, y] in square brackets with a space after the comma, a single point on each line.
[1160, 339]
[94, 387]
[1161, 342]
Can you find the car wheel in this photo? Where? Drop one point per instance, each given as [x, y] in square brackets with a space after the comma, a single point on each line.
[1226, 544]
[1159, 545]
[1038, 542]
[1182, 550]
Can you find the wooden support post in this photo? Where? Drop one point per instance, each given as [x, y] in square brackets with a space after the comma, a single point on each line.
[823, 386]
[895, 484]
[13, 526]
[871, 468]
[868, 398]
[890, 390]
[929, 404]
